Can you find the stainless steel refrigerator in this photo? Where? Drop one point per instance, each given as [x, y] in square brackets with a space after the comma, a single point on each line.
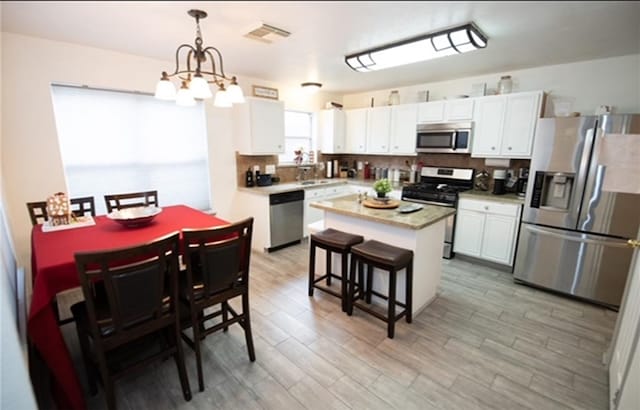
[573, 234]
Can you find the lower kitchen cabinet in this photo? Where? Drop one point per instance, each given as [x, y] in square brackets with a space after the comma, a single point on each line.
[312, 214]
[487, 230]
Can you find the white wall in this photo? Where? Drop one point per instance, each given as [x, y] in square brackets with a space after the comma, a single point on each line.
[15, 387]
[31, 159]
[585, 85]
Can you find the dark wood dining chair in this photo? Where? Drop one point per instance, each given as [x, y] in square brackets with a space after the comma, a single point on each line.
[79, 206]
[37, 212]
[38, 215]
[217, 270]
[83, 206]
[131, 200]
[130, 316]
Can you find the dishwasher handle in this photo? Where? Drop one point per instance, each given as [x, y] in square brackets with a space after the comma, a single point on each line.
[284, 197]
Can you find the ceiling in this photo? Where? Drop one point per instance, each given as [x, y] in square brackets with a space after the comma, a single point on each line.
[521, 34]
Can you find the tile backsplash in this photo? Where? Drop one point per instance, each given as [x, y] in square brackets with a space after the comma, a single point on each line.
[288, 173]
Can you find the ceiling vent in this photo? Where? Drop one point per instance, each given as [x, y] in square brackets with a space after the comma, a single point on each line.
[267, 34]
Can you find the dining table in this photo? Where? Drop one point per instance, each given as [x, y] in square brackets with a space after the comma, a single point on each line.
[54, 270]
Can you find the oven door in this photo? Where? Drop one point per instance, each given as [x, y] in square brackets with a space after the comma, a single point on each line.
[450, 225]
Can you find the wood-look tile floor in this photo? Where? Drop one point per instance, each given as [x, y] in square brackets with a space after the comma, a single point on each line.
[485, 342]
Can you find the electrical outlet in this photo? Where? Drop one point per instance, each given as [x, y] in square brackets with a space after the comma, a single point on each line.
[256, 168]
[270, 169]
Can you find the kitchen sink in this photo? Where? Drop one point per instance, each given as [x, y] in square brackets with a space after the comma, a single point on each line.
[314, 181]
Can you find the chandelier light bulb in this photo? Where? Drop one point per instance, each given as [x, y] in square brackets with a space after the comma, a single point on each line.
[235, 92]
[165, 90]
[184, 97]
[199, 87]
[222, 99]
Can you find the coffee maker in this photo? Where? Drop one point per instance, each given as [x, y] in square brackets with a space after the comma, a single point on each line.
[499, 181]
[521, 187]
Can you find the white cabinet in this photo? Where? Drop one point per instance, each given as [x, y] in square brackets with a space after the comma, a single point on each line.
[312, 214]
[356, 130]
[505, 125]
[459, 110]
[332, 131]
[382, 130]
[487, 132]
[403, 129]
[431, 111]
[521, 116]
[446, 110]
[258, 126]
[487, 229]
[378, 129]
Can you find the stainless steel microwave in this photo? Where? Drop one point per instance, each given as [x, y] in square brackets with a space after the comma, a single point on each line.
[450, 137]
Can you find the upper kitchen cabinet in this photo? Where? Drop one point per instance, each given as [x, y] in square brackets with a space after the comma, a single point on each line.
[431, 111]
[332, 131]
[445, 111]
[378, 130]
[505, 125]
[459, 110]
[403, 129]
[258, 126]
[356, 130]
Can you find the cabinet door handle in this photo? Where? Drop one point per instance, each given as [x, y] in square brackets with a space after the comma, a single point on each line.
[509, 148]
[493, 148]
[486, 207]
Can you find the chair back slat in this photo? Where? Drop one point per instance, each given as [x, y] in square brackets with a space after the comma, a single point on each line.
[79, 206]
[131, 200]
[140, 284]
[37, 212]
[83, 206]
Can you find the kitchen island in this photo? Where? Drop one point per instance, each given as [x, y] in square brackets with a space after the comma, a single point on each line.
[421, 231]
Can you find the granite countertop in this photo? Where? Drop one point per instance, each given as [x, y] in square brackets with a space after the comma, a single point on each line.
[291, 186]
[320, 183]
[488, 196]
[348, 205]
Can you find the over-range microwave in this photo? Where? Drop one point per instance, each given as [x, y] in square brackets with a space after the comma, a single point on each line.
[450, 137]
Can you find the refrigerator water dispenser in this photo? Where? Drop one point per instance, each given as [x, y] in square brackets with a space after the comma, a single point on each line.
[552, 190]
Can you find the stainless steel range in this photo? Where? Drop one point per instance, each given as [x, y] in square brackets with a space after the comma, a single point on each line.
[440, 186]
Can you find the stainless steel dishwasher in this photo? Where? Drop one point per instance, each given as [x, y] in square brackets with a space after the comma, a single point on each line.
[286, 218]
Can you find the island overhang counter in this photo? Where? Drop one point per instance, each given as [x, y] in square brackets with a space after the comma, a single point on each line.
[420, 231]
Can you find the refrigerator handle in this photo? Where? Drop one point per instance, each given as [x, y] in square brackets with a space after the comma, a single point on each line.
[593, 202]
[621, 243]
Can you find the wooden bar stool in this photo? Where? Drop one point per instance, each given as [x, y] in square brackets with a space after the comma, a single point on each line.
[332, 241]
[388, 258]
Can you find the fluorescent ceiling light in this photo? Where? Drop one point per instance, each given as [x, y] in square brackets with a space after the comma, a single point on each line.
[456, 40]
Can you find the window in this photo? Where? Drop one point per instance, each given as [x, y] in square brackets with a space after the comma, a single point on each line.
[297, 134]
[117, 142]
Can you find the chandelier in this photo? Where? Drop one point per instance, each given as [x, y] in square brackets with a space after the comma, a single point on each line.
[195, 81]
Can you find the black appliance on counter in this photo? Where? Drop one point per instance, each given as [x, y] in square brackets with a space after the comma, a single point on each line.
[440, 186]
[263, 180]
[521, 185]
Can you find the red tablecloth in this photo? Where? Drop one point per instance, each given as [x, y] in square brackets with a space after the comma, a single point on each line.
[53, 265]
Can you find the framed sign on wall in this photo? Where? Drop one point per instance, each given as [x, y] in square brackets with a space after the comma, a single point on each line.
[265, 92]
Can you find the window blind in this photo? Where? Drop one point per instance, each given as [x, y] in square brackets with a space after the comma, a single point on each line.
[117, 142]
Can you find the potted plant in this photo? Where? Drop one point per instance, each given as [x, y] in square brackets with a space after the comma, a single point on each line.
[382, 187]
